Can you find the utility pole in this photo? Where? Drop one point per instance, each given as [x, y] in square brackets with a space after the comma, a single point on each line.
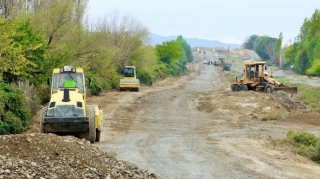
[228, 55]
[280, 57]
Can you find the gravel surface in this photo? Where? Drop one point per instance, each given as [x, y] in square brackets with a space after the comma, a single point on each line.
[36, 155]
[191, 126]
[194, 126]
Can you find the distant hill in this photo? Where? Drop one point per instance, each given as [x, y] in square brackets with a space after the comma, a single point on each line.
[193, 42]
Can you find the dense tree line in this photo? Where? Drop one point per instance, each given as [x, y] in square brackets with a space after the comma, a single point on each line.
[303, 54]
[249, 42]
[268, 48]
[39, 35]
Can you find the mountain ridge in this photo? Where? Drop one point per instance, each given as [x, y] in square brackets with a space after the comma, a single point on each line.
[193, 42]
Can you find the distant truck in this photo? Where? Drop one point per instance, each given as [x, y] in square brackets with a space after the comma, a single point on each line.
[222, 61]
[217, 63]
[130, 81]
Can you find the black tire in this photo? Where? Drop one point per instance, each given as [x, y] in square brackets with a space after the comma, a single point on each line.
[91, 134]
[243, 87]
[269, 88]
[43, 113]
[98, 135]
[232, 87]
[235, 88]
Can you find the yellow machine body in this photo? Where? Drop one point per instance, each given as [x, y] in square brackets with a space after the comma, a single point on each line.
[68, 112]
[256, 78]
[130, 81]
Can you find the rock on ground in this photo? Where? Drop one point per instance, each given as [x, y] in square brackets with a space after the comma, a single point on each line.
[43, 156]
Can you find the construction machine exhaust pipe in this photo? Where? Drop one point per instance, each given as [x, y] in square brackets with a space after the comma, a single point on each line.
[66, 95]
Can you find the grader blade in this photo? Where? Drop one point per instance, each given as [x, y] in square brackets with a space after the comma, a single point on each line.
[290, 90]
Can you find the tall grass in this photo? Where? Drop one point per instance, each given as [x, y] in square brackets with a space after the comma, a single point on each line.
[309, 95]
[306, 144]
[271, 116]
[235, 69]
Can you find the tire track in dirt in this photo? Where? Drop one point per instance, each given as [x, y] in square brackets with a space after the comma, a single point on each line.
[192, 127]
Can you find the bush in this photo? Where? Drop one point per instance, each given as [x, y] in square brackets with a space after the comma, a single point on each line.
[43, 93]
[95, 86]
[271, 116]
[302, 138]
[309, 95]
[95, 90]
[175, 69]
[306, 144]
[226, 68]
[14, 112]
[316, 156]
[146, 78]
[10, 125]
[114, 81]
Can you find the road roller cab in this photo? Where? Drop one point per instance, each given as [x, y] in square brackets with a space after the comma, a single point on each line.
[67, 112]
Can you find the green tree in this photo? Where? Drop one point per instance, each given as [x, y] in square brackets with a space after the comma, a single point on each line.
[313, 48]
[62, 23]
[315, 68]
[116, 42]
[14, 114]
[23, 51]
[313, 25]
[186, 50]
[277, 49]
[145, 64]
[301, 60]
[249, 42]
[263, 46]
[169, 52]
[306, 46]
[304, 30]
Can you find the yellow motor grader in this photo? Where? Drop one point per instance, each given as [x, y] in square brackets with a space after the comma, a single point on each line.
[68, 113]
[130, 81]
[256, 78]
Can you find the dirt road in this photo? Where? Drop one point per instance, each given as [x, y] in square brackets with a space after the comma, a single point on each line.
[295, 78]
[194, 127]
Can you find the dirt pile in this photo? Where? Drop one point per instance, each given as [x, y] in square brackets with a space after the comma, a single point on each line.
[287, 101]
[250, 103]
[38, 155]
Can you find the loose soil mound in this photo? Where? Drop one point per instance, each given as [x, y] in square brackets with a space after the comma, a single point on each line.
[38, 155]
[35, 155]
[254, 105]
[302, 118]
[287, 101]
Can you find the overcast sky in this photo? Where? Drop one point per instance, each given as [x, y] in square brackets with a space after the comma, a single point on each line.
[230, 21]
